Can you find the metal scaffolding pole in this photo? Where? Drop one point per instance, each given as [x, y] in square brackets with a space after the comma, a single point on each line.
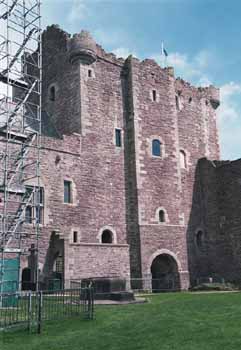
[20, 131]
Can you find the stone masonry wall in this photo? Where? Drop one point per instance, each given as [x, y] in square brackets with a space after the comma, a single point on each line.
[87, 110]
[123, 188]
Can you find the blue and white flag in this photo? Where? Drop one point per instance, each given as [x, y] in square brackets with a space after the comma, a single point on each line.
[164, 51]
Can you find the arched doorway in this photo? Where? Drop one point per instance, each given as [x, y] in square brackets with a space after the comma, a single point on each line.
[165, 275]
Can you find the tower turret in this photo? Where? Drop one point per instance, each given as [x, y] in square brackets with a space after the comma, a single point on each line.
[82, 47]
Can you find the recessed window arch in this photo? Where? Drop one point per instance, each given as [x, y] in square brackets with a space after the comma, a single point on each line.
[161, 215]
[156, 148]
[200, 239]
[183, 159]
[107, 237]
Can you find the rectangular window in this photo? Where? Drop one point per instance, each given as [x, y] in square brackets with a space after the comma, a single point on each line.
[67, 191]
[118, 137]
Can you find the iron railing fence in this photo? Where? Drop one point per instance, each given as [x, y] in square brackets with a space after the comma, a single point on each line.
[49, 284]
[30, 309]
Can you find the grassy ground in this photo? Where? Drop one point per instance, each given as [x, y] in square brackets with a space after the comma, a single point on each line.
[177, 321]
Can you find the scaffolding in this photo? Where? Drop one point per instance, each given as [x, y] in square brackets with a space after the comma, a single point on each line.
[20, 131]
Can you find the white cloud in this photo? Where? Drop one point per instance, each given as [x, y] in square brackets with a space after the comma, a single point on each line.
[123, 52]
[203, 58]
[229, 108]
[78, 10]
[189, 68]
[229, 120]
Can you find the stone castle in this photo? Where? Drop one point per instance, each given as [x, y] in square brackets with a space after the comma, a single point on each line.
[127, 187]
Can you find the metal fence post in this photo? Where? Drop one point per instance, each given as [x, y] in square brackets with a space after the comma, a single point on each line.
[29, 310]
[40, 305]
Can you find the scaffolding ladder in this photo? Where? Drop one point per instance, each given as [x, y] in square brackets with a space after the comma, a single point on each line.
[20, 128]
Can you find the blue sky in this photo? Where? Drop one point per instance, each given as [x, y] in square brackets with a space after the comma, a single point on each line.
[202, 37]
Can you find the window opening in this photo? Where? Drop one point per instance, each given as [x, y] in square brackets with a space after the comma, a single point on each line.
[68, 192]
[156, 148]
[52, 93]
[75, 237]
[161, 216]
[118, 137]
[183, 159]
[106, 237]
[154, 95]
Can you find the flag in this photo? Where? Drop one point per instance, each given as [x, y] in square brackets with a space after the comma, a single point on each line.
[165, 52]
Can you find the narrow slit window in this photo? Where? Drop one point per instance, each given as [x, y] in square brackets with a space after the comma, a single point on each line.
[68, 192]
[183, 159]
[154, 95]
[177, 103]
[118, 137]
[89, 73]
[75, 237]
[52, 93]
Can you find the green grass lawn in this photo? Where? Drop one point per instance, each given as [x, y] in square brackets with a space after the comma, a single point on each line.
[175, 321]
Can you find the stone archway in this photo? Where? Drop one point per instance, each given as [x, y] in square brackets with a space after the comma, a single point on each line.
[165, 273]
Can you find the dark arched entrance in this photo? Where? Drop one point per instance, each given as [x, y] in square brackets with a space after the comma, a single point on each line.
[165, 275]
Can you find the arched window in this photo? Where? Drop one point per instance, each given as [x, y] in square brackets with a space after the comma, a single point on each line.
[156, 148]
[183, 159]
[107, 237]
[200, 239]
[52, 93]
[161, 215]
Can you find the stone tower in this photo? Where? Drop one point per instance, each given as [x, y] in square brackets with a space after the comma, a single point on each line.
[128, 137]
